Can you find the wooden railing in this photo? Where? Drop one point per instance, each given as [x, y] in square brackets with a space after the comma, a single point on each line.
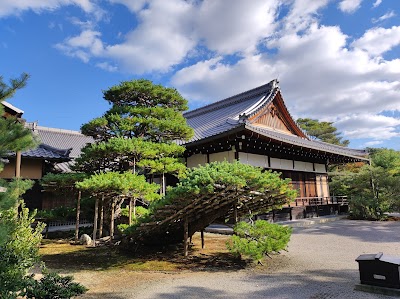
[319, 201]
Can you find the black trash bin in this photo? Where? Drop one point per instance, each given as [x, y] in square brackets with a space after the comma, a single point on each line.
[379, 270]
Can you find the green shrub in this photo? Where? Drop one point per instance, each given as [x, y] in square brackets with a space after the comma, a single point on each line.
[259, 239]
[52, 286]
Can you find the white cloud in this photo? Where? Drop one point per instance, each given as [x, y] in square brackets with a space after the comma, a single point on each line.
[10, 7]
[349, 6]
[302, 14]
[107, 66]
[386, 16]
[83, 46]
[158, 42]
[241, 26]
[372, 143]
[377, 3]
[377, 41]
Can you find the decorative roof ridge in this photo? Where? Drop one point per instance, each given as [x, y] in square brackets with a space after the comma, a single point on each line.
[260, 104]
[230, 100]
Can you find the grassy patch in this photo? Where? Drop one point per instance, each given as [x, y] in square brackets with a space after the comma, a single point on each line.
[60, 255]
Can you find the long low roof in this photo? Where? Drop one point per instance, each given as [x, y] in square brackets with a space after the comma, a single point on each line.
[232, 114]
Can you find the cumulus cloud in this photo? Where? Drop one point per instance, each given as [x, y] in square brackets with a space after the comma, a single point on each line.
[224, 32]
[215, 49]
[83, 46]
[377, 41]
[349, 6]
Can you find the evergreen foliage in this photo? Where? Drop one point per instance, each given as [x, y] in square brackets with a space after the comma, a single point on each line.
[373, 189]
[322, 130]
[255, 240]
[52, 286]
[138, 131]
[19, 241]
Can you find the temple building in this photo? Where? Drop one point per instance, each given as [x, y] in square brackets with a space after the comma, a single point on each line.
[256, 128]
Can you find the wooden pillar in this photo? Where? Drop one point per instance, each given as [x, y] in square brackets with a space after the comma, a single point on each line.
[78, 211]
[202, 238]
[235, 214]
[290, 214]
[18, 165]
[185, 236]
[112, 218]
[96, 216]
[101, 217]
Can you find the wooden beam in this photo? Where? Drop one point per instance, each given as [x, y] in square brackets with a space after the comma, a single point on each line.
[202, 238]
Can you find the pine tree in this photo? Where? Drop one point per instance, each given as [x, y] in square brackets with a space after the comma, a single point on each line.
[138, 132]
[322, 130]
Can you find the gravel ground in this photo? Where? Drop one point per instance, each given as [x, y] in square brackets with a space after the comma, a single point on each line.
[320, 264]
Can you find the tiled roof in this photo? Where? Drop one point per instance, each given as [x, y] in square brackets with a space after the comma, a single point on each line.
[44, 151]
[306, 143]
[232, 113]
[60, 138]
[225, 115]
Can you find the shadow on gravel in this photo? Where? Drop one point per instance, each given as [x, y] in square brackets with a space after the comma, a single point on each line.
[308, 285]
[194, 292]
[366, 231]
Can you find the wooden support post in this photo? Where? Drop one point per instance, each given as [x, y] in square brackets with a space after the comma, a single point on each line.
[112, 218]
[18, 165]
[185, 236]
[96, 216]
[290, 214]
[202, 238]
[101, 217]
[78, 211]
[235, 214]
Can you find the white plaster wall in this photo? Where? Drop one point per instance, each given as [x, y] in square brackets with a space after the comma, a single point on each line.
[196, 160]
[253, 159]
[222, 156]
[320, 168]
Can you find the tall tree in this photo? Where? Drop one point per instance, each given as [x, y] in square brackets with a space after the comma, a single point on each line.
[373, 189]
[142, 124]
[324, 131]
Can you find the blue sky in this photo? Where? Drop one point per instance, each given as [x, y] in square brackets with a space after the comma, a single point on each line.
[336, 60]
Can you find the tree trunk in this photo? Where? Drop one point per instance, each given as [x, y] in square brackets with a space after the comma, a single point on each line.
[78, 211]
[112, 218]
[96, 216]
[101, 217]
[134, 208]
[130, 211]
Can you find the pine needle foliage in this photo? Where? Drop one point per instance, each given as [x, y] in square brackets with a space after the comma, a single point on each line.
[258, 239]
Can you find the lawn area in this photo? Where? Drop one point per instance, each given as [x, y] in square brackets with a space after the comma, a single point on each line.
[62, 256]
